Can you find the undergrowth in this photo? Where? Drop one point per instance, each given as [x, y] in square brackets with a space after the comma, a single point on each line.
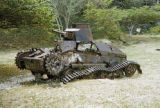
[6, 71]
[25, 37]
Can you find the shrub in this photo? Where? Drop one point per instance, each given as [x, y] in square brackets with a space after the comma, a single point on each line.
[104, 25]
[155, 30]
[25, 37]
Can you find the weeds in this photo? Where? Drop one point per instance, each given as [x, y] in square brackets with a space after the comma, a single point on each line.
[9, 70]
[25, 37]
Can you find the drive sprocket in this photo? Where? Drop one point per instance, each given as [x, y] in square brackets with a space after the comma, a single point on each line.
[53, 64]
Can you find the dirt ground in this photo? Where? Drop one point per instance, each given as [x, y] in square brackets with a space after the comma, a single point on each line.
[140, 91]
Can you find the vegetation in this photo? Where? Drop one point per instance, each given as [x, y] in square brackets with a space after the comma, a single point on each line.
[66, 11]
[15, 13]
[104, 21]
[155, 30]
[29, 21]
[25, 37]
[6, 72]
[139, 91]
[137, 17]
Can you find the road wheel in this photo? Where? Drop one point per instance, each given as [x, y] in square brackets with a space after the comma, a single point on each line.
[54, 64]
[130, 70]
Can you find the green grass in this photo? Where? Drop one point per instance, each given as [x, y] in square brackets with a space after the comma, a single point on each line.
[6, 71]
[25, 37]
[9, 70]
[137, 91]
[136, 39]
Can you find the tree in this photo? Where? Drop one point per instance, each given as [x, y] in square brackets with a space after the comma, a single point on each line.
[100, 3]
[139, 16]
[103, 20]
[65, 11]
[127, 4]
[24, 12]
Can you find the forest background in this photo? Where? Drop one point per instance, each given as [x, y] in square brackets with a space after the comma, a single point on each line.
[29, 23]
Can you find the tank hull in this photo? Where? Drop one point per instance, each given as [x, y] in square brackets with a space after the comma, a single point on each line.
[34, 64]
[76, 57]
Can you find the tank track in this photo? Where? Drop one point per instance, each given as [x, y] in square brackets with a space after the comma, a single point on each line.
[76, 74]
[18, 61]
[20, 55]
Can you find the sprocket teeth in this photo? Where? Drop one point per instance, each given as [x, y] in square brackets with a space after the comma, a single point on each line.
[48, 61]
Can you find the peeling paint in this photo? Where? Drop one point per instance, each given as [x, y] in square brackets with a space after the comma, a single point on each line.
[74, 57]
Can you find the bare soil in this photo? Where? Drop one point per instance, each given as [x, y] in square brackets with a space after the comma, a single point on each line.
[139, 91]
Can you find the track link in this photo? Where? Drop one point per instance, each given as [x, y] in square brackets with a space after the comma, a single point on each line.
[76, 74]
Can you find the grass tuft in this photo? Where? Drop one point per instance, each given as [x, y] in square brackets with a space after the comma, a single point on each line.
[9, 70]
[25, 37]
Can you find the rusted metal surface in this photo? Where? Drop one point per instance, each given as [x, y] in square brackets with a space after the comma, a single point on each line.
[81, 65]
[68, 45]
[103, 47]
[80, 32]
[77, 51]
[84, 34]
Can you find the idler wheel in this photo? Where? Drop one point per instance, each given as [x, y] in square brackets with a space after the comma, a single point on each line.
[130, 70]
[19, 60]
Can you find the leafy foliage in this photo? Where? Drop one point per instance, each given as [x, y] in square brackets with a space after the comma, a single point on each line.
[14, 13]
[65, 11]
[25, 37]
[104, 25]
[127, 4]
[155, 30]
[108, 18]
[105, 22]
[139, 16]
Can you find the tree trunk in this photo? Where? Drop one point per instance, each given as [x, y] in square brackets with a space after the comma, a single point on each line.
[130, 29]
[158, 1]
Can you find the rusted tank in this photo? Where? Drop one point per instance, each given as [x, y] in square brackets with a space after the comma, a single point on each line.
[77, 56]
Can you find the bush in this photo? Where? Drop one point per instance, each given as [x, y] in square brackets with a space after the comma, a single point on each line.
[155, 30]
[25, 37]
[104, 25]
[14, 13]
